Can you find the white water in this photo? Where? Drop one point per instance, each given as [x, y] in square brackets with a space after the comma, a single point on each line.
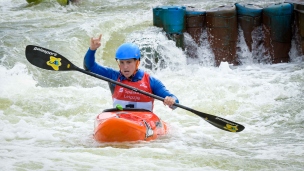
[47, 117]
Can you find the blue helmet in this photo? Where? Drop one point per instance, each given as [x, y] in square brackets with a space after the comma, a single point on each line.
[127, 51]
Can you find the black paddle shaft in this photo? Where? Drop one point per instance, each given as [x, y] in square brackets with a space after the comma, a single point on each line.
[50, 60]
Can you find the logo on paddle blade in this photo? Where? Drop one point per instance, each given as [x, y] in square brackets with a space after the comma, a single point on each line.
[54, 62]
[231, 128]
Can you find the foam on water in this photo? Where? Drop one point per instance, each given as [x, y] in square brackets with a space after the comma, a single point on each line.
[47, 117]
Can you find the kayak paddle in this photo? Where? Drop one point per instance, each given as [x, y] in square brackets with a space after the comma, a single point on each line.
[50, 60]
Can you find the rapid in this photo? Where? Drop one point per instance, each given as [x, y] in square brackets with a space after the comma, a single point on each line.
[47, 117]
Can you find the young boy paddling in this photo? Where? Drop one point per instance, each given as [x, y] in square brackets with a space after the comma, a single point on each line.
[128, 59]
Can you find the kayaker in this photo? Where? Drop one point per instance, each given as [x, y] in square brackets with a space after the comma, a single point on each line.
[128, 59]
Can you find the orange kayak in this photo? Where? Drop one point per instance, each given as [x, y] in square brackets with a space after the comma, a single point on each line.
[114, 125]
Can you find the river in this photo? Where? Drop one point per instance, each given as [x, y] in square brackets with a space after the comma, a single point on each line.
[47, 117]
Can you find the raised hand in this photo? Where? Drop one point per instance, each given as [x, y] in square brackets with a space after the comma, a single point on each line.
[95, 42]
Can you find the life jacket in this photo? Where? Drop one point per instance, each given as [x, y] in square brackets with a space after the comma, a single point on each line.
[130, 99]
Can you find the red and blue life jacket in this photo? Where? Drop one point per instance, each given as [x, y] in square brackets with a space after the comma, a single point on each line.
[131, 99]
